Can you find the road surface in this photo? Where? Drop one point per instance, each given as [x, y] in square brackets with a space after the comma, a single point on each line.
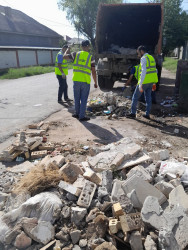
[27, 100]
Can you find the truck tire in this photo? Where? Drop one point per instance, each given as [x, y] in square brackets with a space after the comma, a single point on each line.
[105, 83]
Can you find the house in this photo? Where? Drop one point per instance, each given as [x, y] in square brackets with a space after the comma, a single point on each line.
[75, 41]
[67, 38]
[18, 29]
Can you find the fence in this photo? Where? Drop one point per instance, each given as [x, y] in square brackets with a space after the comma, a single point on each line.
[16, 57]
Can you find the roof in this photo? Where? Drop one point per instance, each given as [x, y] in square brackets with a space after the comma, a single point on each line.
[75, 40]
[15, 21]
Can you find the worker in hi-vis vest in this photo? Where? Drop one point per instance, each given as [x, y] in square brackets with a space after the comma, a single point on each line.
[83, 67]
[134, 79]
[146, 79]
[61, 71]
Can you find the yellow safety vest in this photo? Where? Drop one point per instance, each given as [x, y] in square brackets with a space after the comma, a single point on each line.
[151, 71]
[64, 66]
[137, 72]
[82, 67]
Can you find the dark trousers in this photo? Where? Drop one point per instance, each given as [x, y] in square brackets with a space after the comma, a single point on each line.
[62, 87]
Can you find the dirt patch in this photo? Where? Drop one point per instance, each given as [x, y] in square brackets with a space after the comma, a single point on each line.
[166, 129]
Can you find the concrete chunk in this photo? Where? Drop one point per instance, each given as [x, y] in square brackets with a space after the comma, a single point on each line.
[178, 197]
[164, 187]
[132, 163]
[160, 155]
[149, 244]
[140, 172]
[77, 214]
[167, 240]
[142, 189]
[69, 188]
[136, 241]
[107, 180]
[21, 168]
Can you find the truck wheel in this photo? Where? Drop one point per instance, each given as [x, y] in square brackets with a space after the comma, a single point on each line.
[105, 83]
[101, 82]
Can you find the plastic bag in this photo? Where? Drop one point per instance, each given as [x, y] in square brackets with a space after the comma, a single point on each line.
[172, 168]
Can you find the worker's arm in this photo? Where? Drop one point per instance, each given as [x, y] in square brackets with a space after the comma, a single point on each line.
[67, 54]
[94, 76]
[143, 72]
[59, 66]
[129, 80]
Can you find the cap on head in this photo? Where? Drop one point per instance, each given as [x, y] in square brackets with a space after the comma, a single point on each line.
[65, 46]
[85, 43]
[143, 48]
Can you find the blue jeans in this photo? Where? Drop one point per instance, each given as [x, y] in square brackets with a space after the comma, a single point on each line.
[62, 87]
[147, 93]
[81, 93]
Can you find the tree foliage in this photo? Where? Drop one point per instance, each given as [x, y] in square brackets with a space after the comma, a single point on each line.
[175, 29]
[82, 14]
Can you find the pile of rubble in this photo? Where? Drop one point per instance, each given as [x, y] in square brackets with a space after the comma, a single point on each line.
[109, 104]
[120, 198]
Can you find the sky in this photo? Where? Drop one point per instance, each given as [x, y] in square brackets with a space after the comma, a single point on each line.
[47, 13]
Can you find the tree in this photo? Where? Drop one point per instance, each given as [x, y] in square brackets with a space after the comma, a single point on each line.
[82, 14]
[175, 29]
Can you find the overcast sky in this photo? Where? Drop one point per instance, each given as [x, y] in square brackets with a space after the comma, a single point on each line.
[47, 13]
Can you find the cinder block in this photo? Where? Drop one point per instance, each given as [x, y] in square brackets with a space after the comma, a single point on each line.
[92, 176]
[142, 189]
[69, 188]
[87, 194]
[114, 226]
[70, 172]
[117, 210]
[130, 222]
[38, 154]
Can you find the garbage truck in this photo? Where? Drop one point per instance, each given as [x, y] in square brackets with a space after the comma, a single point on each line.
[120, 29]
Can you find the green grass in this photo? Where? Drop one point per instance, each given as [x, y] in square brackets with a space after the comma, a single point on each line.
[28, 71]
[170, 64]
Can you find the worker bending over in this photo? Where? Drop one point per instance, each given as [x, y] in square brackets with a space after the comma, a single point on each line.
[148, 77]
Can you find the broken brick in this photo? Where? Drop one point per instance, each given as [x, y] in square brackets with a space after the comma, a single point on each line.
[92, 176]
[38, 154]
[117, 210]
[114, 226]
[70, 172]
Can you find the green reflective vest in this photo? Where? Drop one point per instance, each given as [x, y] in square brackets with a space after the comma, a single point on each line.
[82, 67]
[151, 71]
[64, 66]
[137, 72]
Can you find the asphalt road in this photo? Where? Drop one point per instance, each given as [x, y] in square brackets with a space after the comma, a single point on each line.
[29, 99]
